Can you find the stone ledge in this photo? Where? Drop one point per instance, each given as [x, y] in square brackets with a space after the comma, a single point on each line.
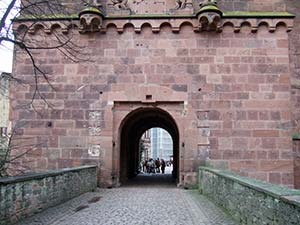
[23, 196]
[248, 200]
[267, 188]
[235, 14]
[39, 176]
[241, 14]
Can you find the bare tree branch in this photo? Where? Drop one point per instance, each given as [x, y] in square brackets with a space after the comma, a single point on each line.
[7, 12]
[63, 43]
[14, 144]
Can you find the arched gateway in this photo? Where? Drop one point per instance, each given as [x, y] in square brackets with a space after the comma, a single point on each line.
[131, 130]
[211, 73]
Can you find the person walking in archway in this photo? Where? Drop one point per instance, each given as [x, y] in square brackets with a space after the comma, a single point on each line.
[157, 164]
[163, 166]
[145, 166]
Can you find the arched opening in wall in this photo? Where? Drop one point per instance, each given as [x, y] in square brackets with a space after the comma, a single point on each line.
[134, 129]
[156, 152]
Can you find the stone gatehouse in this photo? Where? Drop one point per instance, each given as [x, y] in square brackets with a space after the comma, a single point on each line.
[215, 75]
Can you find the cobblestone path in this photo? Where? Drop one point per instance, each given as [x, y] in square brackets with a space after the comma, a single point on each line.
[134, 204]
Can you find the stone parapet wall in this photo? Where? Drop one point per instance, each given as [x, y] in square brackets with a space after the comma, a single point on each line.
[250, 201]
[23, 196]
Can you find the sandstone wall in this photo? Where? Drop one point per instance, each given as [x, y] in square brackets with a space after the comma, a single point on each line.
[294, 46]
[237, 110]
[293, 6]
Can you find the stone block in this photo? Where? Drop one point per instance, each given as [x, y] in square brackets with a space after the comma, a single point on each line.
[72, 142]
[276, 165]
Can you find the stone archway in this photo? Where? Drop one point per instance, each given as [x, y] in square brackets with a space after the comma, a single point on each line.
[132, 128]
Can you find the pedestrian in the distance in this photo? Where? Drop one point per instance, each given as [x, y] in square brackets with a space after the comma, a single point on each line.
[157, 164]
[163, 166]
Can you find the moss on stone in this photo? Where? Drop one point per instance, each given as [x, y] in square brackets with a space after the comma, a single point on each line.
[92, 10]
[209, 8]
[238, 14]
[48, 17]
[248, 200]
[296, 136]
[271, 189]
[150, 16]
[235, 14]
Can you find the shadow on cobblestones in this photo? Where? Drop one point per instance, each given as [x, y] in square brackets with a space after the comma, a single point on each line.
[155, 180]
[135, 205]
[148, 199]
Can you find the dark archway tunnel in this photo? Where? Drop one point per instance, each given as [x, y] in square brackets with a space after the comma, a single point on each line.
[132, 128]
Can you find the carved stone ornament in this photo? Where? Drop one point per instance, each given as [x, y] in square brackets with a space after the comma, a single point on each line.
[180, 4]
[91, 20]
[120, 4]
[94, 150]
[209, 16]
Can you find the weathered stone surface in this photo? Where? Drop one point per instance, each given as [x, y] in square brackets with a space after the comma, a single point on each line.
[24, 196]
[250, 201]
[130, 205]
[239, 79]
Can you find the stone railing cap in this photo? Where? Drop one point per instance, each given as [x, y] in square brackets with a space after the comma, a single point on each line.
[26, 177]
[225, 14]
[261, 186]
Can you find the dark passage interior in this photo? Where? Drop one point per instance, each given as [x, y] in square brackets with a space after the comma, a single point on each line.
[134, 125]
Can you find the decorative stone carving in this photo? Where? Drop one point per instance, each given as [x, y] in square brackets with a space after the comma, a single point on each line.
[95, 115]
[183, 7]
[180, 4]
[118, 8]
[95, 123]
[120, 4]
[209, 16]
[96, 3]
[94, 150]
[256, 20]
[95, 131]
[91, 20]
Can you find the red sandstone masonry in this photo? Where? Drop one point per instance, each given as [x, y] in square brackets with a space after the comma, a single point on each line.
[241, 79]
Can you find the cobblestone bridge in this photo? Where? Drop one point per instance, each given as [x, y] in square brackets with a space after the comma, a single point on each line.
[142, 201]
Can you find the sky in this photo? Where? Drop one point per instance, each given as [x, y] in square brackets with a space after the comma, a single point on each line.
[6, 49]
[6, 56]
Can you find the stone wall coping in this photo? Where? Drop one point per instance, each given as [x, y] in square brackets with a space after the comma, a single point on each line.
[229, 14]
[291, 196]
[42, 175]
